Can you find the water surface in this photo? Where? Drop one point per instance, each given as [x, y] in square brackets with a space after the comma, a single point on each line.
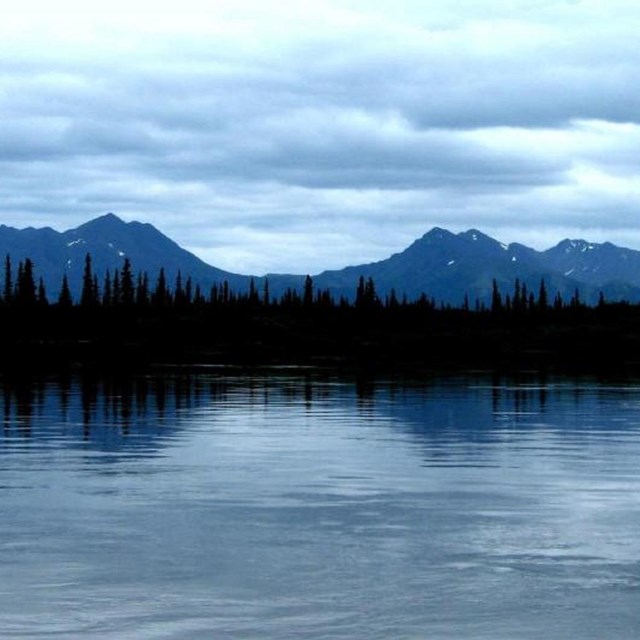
[294, 504]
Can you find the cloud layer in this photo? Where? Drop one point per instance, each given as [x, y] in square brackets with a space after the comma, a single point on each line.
[275, 136]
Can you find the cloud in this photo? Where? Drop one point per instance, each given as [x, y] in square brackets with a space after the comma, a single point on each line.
[302, 136]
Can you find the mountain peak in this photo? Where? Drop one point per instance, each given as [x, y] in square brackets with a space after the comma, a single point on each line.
[437, 233]
[107, 220]
[476, 236]
[573, 246]
[111, 217]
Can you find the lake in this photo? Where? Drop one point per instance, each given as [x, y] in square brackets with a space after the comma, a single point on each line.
[299, 504]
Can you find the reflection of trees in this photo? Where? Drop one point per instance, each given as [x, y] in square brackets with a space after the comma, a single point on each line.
[160, 394]
[6, 405]
[64, 385]
[365, 388]
[25, 397]
[19, 401]
[520, 394]
[105, 409]
[140, 413]
[88, 395]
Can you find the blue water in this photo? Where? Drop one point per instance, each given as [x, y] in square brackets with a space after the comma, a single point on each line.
[289, 504]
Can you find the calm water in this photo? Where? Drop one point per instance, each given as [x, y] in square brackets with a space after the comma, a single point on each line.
[220, 505]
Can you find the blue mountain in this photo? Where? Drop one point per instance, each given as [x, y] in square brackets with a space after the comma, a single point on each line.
[445, 266]
[108, 240]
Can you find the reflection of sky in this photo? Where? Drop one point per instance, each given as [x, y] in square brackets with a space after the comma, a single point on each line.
[146, 411]
[286, 506]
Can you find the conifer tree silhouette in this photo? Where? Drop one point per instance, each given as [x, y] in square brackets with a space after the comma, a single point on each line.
[64, 299]
[126, 284]
[160, 296]
[42, 294]
[25, 285]
[543, 299]
[307, 296]
[116, 291]
[142, 290]
[496, 298]
[7, 293]
[107, 293]
[87, 296]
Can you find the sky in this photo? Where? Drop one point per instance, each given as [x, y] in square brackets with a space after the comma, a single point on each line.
[300, 136]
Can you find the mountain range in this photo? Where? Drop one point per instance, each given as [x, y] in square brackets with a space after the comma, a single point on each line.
[443, 265]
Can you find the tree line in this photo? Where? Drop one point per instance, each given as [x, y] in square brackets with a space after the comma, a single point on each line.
[123, 288]
[126, 320]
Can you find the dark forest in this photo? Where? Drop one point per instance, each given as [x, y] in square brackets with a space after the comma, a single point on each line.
[123, 321]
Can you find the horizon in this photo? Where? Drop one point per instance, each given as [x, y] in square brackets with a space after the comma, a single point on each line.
[281, 137]
[344, 266]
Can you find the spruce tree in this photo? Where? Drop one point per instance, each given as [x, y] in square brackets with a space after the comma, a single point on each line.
[213, 295]
[116, 291]
[496, 298]
[7, 294]
[107, 293]
[253, 293]
[178, 295]
[42, 294]
[198, 298]
[543, 299]
[142, 290]
[64, 299]
[126, 284]
[360, 292]
[95, 291]
[160, 297]
[370, 295]
[307, 296]
[26, 286]
[87, 295]
[517, 301]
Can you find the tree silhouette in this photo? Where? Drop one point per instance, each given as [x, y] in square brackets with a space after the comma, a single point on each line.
[7, 293]
[142, 290]
[543, 299]
[178, 294]
[64, 299]
[266, 299]
[116, 291]
[253, 297]
[496, 298]
[107, 293]
[307, 296]
[25, 285]
[88, 296]
[160, 296]
[360, 293]
[126, 284]
[42, 294]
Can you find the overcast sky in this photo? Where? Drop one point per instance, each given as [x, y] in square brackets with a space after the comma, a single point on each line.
[297, 136]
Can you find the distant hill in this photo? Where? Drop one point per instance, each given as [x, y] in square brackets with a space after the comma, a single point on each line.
[443, 265]
[447, 266]
[109, 240]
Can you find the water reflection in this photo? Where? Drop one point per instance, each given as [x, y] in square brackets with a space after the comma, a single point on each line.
[303, 504]
[143, 412]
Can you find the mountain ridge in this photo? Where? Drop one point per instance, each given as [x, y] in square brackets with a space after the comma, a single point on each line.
[108, 239]
[445, 266]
